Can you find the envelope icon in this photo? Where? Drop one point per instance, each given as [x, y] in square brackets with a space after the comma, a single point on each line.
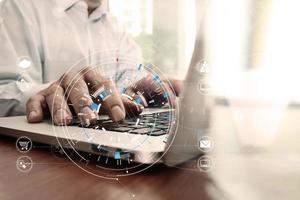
[205, 144]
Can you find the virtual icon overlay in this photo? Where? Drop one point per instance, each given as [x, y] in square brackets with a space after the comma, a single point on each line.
[24, 63]
[22, 84]
[205, 163]
[203, 67]
[205, 144]
[125, 147]
[203, 85]
[24, 144]
[24, 164]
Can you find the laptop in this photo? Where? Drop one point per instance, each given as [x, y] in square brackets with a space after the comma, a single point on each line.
[158, 135]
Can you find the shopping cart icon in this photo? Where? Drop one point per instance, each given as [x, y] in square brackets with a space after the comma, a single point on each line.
[24, 145]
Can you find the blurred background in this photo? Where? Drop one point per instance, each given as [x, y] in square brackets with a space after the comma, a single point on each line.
[248, 41]
[251, 48]
[164, 29]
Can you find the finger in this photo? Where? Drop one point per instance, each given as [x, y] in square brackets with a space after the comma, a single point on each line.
[59, 109]
[134, 94]
[151, 91]
[104, 90]
[34, 108]
[77, 93]
[132, 109]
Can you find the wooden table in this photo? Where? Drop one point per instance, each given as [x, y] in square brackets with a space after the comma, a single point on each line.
[256, 173]
[53, 177]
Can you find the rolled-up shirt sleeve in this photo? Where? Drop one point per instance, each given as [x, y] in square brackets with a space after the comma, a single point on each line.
[20, 56]
[40, 40]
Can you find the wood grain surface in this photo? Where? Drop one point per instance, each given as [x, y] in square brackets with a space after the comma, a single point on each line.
[53, 177]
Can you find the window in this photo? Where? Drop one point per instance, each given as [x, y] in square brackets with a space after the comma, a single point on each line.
[253, 48]
[165, 30]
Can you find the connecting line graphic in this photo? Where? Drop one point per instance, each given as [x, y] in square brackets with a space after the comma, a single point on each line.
[126, 188]
[52, 163]
[186, 169]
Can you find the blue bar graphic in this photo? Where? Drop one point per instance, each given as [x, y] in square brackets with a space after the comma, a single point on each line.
[117, 155]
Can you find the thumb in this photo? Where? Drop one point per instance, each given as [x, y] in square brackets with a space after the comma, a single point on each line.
[34, 108]
[132, 109]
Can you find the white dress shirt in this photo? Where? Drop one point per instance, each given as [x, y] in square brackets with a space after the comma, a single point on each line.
[41, 39]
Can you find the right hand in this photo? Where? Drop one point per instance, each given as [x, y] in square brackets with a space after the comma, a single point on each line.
[75, 89]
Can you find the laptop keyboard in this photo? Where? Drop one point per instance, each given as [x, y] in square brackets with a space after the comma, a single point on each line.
[155, 124]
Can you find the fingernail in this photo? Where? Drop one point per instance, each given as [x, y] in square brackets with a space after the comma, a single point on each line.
[93, 116]
[87, 122]
[139, 107]
[32, 115]
[117, 113]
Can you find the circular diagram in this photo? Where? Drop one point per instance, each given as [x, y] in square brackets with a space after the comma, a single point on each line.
[111, 149]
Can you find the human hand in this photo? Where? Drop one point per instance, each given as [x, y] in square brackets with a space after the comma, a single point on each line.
[151, 91]
[75, 89]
